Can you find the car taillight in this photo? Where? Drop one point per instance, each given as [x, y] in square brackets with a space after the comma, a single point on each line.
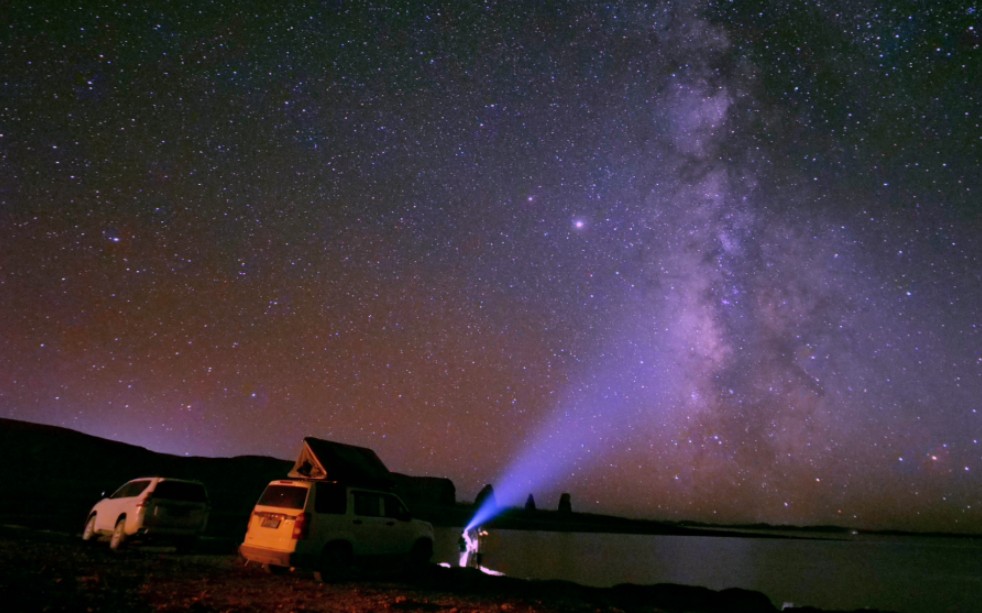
[301, 526]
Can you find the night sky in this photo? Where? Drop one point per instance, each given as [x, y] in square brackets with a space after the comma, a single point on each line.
[717, 262]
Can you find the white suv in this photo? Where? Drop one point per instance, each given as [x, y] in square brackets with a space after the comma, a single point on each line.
[150, 507]
[325, 525]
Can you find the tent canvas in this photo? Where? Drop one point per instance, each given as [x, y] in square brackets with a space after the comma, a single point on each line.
[328, 460]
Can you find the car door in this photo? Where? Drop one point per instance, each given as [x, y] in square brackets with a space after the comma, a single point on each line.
[400, 533]
[368, 523]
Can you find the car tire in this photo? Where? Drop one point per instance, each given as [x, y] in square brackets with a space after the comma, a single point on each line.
[334, 563]
[418, 558]
[88, 533]
[421, 552]
[118, 538]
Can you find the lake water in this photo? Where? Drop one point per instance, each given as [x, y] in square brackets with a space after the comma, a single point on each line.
[905, 574]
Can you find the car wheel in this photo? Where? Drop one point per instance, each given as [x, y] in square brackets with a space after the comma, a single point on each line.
[88, 533]
[119, 535]
[334, 563]
[421, 552]
[419, 557]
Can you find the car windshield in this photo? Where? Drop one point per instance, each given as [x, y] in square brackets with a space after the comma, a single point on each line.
[284, 496]
[181, 490]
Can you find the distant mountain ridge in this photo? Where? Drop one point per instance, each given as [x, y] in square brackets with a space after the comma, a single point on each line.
[51, 476]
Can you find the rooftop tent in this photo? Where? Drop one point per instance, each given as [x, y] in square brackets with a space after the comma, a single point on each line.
[320, 459]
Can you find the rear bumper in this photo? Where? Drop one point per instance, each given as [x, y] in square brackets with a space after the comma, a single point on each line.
[169, 531]
[261, 555]
[166, 526]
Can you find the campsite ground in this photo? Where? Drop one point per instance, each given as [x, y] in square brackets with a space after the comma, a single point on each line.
[48, 571]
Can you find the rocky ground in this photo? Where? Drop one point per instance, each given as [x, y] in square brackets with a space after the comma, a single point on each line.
[50, 571]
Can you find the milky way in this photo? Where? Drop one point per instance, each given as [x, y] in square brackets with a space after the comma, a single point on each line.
[713, 262]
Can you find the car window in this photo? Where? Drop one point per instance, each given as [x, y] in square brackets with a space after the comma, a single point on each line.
[285, 496]
[331, 498]
[181, 490]
[395, 508]
[131, 489]
[368, 504]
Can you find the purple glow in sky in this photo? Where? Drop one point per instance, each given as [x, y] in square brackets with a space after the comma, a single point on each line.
[683, 261]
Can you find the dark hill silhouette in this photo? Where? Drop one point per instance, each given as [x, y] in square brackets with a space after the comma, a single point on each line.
[53, 475]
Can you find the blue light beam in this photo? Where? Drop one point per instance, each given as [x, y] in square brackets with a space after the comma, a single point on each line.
[592, 421]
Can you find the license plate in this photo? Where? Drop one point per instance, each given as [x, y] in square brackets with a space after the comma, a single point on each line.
[271, 522]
